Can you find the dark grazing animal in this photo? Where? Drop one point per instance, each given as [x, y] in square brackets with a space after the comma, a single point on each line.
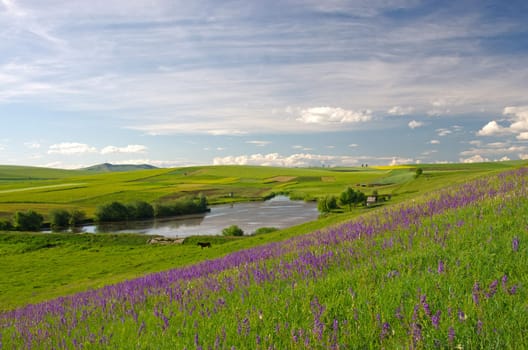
[204, 244]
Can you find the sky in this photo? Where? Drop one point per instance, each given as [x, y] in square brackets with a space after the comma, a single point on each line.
[280, 83]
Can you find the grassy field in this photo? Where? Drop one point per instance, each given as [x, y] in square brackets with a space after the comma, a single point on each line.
[42, 189]
[40, 267]
[446, 270]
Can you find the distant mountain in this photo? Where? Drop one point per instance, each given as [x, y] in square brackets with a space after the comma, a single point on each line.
[108, 168]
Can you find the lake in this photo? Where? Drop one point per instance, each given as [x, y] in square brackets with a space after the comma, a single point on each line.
[279, 212]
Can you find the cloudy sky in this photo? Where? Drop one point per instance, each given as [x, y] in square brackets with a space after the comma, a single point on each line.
[288, 83]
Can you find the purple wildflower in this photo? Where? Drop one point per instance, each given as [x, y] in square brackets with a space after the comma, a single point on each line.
[479, 326]
[451, 335]
[513, 290]
[461, 316]
[398, 313]
[504, 280]
[515, 243]
[441, 268]
[492, 289]
[476, 289]
[436, 319]
[416, 332]
[385, 330]
[425, 305]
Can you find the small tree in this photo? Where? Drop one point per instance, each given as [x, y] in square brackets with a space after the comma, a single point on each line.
[76, 217]
[59, 219]
[327, 204]
[233, 230]
[6, 225]
[114, 211]
[360, 198]
[419, 172]
[28, 221]
[348, 197]
[140, 210]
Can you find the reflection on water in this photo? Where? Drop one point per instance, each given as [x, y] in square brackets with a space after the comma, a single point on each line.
[279, 212]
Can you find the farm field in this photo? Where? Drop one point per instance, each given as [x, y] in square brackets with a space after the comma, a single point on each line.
[447, 270]
[42, 189]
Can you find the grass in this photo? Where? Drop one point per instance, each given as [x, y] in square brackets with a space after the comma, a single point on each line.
[55, 265]
[45, 189]
[448, 270]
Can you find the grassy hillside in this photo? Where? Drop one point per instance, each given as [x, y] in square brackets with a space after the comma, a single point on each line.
[447, 270]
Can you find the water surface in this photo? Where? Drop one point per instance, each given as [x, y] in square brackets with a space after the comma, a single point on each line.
[279, 212]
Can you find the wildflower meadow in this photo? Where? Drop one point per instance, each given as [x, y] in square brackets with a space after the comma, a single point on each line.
[446, 271]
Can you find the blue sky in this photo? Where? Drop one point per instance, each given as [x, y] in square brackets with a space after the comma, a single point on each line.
[286, 83]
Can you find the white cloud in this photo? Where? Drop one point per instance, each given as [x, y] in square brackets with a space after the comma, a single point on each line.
[353, 145]
[71, 148]
[307, 160]
[126, 149]
[523, 156]
[399, 110]
[518, 118]
[523, 136]
[62, 165]
[331, 115]
[497, 149]
[443, 132]
[474, 159]
[491, 129]
[302, 148]
[275, 159]
[32, 145]
[400, 160]
[434, 142]
[413, 124]
[259, 143]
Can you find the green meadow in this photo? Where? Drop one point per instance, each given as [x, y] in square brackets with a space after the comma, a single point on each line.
[38, 267]
[443, 268]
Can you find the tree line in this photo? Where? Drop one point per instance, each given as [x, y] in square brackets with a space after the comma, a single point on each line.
[141, 210]
[61, 219]
[30, 220]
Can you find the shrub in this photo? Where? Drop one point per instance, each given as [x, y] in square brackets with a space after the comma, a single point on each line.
[27, 221]
[182, 206]
[76, 217]
[140, 210]
[114, 211]
[233, 230]
[59, 219]
[6, 225]
[327, 204]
